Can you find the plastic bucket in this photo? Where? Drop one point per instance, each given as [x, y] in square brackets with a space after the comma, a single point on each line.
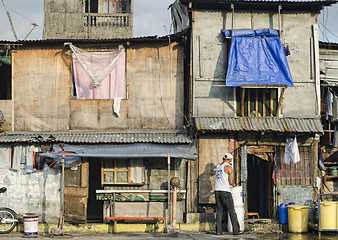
[240, 211]
[30, 224]
[237, 195]
[283, 212]
[298, 217]
[328, 212]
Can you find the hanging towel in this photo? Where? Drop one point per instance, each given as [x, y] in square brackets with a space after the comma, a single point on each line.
[17, 155]
[329, 101]
[116, 106]
[291, 151]
[136, 171]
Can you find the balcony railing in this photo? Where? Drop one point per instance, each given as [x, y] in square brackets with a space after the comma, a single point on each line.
[107, 19]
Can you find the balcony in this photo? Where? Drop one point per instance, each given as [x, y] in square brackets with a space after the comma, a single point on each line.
[123, 20]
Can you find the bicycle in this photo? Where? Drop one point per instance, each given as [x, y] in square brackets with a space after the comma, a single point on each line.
[8, 218]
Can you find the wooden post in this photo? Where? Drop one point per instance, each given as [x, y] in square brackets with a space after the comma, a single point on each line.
[242, 101]
[61, 219]
[168, 217]
[232, 6]
[89, 20]
[280, 102]
[174, 207]
[279, 21]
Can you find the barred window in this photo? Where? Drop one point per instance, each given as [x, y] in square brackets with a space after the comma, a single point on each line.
[296, 173]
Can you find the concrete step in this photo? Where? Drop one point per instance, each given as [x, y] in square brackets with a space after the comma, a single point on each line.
[262, 225]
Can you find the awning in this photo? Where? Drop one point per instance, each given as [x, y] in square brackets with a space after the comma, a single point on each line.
[139, 150]
[258, 124]
[257, 57]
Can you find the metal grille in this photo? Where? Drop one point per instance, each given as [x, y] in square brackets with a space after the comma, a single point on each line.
[295, 173]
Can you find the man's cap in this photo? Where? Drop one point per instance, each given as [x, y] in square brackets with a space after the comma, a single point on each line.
[228, 156]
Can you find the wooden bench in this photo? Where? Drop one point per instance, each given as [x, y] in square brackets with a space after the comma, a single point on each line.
[156, 220]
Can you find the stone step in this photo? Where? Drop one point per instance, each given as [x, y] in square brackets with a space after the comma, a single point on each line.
[262, 225]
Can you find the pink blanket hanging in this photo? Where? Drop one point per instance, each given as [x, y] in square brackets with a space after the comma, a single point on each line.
[112, 86]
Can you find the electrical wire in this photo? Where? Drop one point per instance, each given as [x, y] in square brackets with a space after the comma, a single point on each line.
[32, 22]
[327, 29]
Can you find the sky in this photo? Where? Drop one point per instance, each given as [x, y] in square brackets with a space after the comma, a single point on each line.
[151, 17]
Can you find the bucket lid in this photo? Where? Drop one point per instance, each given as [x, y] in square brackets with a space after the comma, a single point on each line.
[297, 206]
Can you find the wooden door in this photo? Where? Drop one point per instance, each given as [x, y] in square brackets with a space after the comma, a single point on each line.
[76, 193]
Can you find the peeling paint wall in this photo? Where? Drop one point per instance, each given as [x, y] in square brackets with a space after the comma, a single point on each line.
[300, 195]
[31, 191]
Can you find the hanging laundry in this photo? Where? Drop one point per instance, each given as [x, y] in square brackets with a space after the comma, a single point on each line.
[17, 158]
[291, 151]
[5, 157]
[99, 75]
[334, 107]
[320, 159]
[116, 106]
[329, 101]
[335, 135]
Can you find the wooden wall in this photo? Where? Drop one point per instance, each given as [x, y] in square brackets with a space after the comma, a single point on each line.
[211, 152]
[42, 92]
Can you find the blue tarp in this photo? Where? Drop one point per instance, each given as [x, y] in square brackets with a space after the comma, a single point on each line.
[257, 60]
[251, 33]
[73, 153]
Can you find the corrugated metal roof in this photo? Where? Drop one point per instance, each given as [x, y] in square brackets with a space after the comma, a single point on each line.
[269, 124]
[288, 5]
[155, 38]
[264, 1]
[97, 137]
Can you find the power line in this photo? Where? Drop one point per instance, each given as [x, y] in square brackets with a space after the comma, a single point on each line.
[327, 29]
[35, 24]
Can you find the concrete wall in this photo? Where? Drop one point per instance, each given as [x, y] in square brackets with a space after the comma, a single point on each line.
[66, 19]
[42, 95]
[31, 191]
[300, 195]
[209, 61]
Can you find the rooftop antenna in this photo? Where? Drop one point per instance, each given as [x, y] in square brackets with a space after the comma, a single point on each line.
[10, 21]
[34, 26]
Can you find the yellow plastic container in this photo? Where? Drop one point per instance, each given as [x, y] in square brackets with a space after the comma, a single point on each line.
[298, 218]
[328, 215]
[336, 215]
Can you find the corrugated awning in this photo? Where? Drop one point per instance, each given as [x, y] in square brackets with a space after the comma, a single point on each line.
[139, 150]
[257, 124]
[81, 137]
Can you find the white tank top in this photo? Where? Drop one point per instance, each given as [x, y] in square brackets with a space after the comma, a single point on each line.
[222, 178]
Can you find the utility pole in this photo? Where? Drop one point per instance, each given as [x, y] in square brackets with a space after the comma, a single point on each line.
[10, 21]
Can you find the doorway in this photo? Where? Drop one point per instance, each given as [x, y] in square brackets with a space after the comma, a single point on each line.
[259, 186]
[95, 207]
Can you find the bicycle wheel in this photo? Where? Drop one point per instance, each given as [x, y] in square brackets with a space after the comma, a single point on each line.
[7, 220]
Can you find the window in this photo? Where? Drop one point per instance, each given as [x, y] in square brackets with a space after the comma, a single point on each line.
[93, 6]
[5, 78]
[295, 173]
[122, 171]
[99, 74]
[257, 102]
[116, 6]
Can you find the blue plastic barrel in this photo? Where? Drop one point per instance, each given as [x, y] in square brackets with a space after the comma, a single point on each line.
[283, 212]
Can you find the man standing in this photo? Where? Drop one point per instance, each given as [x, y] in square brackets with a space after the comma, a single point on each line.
[224, 178]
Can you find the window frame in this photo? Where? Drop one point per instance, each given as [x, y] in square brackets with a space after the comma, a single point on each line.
[116, 170]
[248, 95]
